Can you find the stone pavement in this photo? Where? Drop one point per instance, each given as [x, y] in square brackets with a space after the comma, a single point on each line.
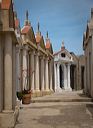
[57, 114]
[64, 96]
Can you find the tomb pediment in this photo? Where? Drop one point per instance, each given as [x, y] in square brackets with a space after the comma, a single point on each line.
[63, 55]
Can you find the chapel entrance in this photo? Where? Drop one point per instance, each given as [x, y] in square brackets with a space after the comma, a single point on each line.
[61, 76]
[72, 76]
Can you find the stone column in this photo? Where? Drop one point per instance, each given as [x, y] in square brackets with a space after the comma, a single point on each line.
[65, 77]
[37, 73]
[69, 77]
[21, 69]
[51, 75]
[14, 74]
[91, 70]
[24, 71]
[9, 114]
[46, 75]
[1, 75]
[8, 67]
[55, 77]
[28, 70]
[32, 72]
[58, 77]
[18, 75]
[42, 74]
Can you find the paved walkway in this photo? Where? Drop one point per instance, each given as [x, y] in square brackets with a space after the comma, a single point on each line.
[57, 114]
[64, 96]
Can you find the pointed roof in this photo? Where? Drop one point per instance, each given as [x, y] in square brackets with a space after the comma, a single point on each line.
[47, 41]
[39, 37]
[5, 4]
[27, 25]
[17, 22]
[38, 34]
[25, 29]
[28, 29]
[48, 44]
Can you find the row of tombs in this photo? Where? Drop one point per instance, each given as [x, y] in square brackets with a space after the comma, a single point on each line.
[27, 63]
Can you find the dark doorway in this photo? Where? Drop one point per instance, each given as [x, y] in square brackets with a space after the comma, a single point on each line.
[90, 72]
[82, 77]
[61, 77]
[72, 76]
[40, 73]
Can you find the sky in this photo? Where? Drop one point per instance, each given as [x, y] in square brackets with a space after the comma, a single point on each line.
[65, 20]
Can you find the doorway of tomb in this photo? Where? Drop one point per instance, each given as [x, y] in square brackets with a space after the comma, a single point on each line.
[61, 70]
[82, 77]
[72, 76]
[40, 73]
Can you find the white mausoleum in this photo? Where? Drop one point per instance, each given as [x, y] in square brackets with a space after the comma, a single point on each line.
[62, 63]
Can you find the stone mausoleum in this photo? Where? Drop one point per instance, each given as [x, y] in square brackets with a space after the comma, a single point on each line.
[68, 70]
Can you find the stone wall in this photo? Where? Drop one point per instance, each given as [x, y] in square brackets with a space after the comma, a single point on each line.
[88, 51]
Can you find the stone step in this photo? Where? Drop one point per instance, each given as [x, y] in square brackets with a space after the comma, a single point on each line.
[62, 100]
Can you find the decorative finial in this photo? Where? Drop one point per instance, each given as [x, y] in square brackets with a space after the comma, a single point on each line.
[63, 46]
[62, 43]
[47, 34]
[27, 22]
[38, 27]
[27, 15]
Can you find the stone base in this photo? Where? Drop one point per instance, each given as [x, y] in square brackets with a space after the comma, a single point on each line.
[37, 93]
[59, 89]
[8, 119]
[33, 94]
[46, 92]
[51, 91]
[68, 89]
[41, 93]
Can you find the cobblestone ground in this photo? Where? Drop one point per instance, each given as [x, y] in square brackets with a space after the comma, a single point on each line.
[56, 114]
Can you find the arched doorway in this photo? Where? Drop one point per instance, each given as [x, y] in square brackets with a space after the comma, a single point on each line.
[61, 76]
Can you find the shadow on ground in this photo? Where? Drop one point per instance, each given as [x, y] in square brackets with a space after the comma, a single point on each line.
[90, 108]
[71, 116]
